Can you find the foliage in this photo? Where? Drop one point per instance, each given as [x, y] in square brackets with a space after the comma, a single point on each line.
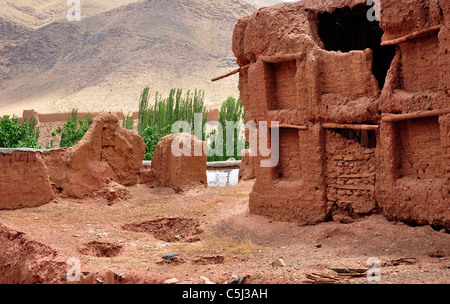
[151, 136]
[15, 135]
[128, 122]
[156, 121]
[230, 111]
[73, 130]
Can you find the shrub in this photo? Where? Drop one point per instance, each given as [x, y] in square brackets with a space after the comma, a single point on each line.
[15, 135]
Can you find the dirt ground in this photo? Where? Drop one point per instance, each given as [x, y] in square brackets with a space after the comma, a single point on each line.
[216, 236]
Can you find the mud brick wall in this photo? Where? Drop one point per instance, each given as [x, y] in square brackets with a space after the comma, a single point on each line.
[298, 195]
[444, 122]
[31, 178]
[405, 174]
[350, 177]
[412, 182]
[444, 56]
[419, 148]
[23, 179]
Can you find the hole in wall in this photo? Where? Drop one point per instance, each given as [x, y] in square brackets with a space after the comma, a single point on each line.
[346, 30]
[366, 138]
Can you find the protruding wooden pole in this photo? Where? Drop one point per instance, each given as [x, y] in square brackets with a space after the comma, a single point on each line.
[414, 35]
[231, 73]
[417, 115]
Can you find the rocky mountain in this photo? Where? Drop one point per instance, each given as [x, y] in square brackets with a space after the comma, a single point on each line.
[104, 61]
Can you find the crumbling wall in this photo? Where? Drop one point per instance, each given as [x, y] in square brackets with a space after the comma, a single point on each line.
[248, 166]
[350, 177]
[180, 172]
[106, 153]
[412, 179]
[294, 190]
[30, 178]
[23, 179]
[289, 75]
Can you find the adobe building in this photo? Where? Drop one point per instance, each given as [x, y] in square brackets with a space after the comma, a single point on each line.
[363, 106]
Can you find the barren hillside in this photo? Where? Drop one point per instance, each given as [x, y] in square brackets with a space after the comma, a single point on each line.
[103, 62]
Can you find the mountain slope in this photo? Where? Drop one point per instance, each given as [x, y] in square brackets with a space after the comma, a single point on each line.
[103, 62]
[38, 13]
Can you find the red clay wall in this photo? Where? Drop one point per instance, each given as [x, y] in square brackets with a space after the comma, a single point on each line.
[350, 176]
[294, 190]
[24, 181]
[178, 172]
[106, 153]
[412, 180]
[405, 174]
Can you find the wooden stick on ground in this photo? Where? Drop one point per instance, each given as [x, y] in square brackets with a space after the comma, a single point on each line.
[399, 117]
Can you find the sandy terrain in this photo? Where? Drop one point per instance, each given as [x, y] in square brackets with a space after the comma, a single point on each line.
[215, 236]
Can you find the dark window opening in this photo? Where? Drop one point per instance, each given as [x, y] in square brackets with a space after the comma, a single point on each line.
[366, 138]
[346, 30]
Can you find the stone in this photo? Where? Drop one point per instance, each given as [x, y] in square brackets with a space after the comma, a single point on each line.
[171, 281]
[278, 263]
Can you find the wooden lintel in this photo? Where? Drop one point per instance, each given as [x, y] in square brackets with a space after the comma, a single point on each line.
[357, 176]
[409, 116]
[231, 73]
[282, 58]
[414, 35]
[349, 126]
[287, 126]
[356, 187]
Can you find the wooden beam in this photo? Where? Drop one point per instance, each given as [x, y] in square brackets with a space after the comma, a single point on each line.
[413, 35]
[356, 187]
[109, 278]
[231, 73]
[409, 116]
[357, 176]
[349, 126]
[287, 126]
[282, 58]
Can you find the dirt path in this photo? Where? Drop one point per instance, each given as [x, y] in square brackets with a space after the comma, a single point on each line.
[215, 236]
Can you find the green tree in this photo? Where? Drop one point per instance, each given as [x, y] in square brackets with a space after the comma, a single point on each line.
[15, 135]
[155, 121]
[233, 112]
[73, 130]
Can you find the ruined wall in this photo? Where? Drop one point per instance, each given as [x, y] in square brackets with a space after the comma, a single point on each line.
[30, 178]
[294, 190]
[180, 172]
[23, 179]
[350, 176]
[413, 178]
[247, 170]
[290, 77]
